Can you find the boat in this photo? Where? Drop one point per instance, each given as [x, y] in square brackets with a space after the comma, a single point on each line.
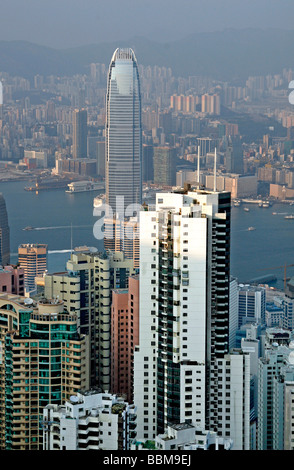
[237, 203]
[98, 201]
[246, 209]
[274, 213]
[83, 186]
[250, 229]
[28, 228]
[289, 216]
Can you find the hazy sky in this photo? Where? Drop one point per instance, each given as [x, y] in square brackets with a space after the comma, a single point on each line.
[66, 23]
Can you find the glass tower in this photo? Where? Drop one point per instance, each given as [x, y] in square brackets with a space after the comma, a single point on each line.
[123, 131]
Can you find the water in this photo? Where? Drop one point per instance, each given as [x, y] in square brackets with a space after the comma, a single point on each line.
[61, 220]
[253, 253]
[263, 251]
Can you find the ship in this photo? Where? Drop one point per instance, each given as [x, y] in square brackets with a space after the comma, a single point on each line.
[83, 186]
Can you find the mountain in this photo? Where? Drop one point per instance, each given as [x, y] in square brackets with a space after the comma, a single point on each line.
[226, 55]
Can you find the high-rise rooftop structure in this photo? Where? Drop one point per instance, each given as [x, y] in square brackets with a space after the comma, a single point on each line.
[80, 133]
[33, 258]
[4, 234]
[123, 130]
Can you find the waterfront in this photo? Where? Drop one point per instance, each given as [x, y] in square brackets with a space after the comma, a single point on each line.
[253, 253]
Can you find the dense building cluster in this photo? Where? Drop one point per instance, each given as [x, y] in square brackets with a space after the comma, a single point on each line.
[149, 343]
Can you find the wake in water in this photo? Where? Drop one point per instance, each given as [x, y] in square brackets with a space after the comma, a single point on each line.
[60, 226]
[50, 252]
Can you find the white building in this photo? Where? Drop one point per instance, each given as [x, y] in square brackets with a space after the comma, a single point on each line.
[89, 421]
[184, 436]
[184, 314]
[252, 304]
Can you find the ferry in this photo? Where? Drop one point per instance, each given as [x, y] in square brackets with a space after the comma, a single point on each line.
[83, 186]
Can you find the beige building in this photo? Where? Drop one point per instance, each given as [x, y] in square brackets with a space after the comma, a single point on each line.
[33, 259]
[281, 192]
[43, 360]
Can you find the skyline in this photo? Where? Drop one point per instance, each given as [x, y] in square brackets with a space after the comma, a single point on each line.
[51, 24]
[189, 350]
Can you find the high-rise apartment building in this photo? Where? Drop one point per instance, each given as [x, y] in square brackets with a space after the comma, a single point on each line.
[123, 130]
[275, 399]
[80, 133]
[184, 318]
[86, 290]
[44, 359]
[210, 104]
[4, 234]
[33, 259]
[124, 337]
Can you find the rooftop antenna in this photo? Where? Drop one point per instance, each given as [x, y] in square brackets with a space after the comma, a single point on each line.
[214, 185]
[198, 165]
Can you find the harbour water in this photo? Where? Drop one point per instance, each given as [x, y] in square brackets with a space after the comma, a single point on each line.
[63, 220]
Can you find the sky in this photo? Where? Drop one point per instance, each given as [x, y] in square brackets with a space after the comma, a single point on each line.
[71, 23]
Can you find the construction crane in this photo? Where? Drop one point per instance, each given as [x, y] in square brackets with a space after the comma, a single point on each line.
[285, 266]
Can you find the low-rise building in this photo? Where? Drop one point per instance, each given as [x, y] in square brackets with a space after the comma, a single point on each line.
[89, 420]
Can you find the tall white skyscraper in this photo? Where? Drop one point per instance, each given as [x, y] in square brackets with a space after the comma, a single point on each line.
[184, 318]
[123, 144]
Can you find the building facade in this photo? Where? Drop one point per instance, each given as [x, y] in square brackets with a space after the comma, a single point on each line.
[86, 290]
[80, 133]
[184, 313]
[33, 259]
[4, 234]
[44, 360]
[124, 337]
[123, 143]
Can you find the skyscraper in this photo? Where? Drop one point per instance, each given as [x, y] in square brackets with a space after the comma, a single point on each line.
[4, 234]
[123, 130]
[183, 347]
[80, 133]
